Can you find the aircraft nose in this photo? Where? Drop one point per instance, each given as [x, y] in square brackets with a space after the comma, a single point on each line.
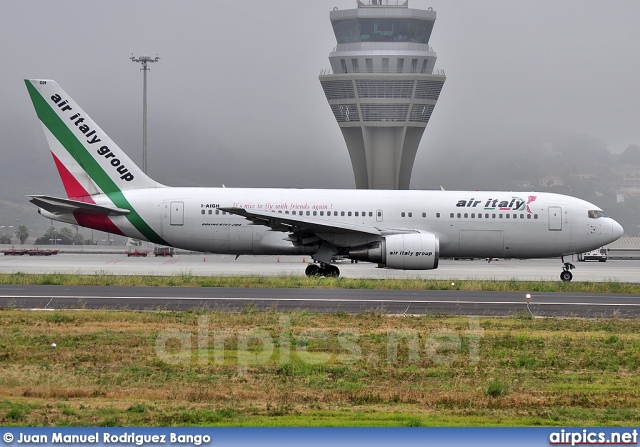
[616, 230]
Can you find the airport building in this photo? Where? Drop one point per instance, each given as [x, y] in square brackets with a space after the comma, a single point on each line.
[382, 87]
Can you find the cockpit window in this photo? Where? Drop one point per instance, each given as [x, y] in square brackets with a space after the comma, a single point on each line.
[595, 214]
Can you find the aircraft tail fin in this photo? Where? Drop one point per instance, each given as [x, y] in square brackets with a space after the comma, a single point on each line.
[88, 161]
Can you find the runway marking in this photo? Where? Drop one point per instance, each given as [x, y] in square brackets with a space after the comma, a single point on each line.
[114, 261]
[329, 300]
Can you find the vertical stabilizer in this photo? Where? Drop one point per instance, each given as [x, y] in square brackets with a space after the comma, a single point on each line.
[88, 161]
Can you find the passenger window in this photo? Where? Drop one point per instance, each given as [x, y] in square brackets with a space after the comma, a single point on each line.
[535, 216]
[349, 213]
[479, 215]
[507, 215]
[425, 215]
[342, 213]
[410, 214]
[466, 215]
[473, 215]
[370, 213]
[499, 216]
[486, 216]
[356, 213]
[521, 216]
[528, 216]
[451, 215]
[315, 213]
[459, 215]
[308, 213]
[402, 214]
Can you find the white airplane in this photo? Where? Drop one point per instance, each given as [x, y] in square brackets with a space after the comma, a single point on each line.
[407, 230]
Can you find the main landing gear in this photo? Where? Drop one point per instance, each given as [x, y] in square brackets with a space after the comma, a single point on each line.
[327, 270]
[566, 274]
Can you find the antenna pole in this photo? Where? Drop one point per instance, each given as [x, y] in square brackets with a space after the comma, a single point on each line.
[144, 60]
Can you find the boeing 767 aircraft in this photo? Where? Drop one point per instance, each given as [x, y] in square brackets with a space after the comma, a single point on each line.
[407, 230]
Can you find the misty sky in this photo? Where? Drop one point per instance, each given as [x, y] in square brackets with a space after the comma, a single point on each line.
[236, 100]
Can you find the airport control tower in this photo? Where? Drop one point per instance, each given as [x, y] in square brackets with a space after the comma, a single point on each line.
[382, 87]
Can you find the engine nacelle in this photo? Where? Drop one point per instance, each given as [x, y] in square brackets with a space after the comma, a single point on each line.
[416, 251]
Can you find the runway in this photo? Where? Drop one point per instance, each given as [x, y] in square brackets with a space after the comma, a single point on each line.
[446, 302]
[218, 265]
[321, 300]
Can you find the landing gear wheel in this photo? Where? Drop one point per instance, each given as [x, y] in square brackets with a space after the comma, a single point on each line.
[330, 271]
[326, 270]
[566, 276]
[312, 270]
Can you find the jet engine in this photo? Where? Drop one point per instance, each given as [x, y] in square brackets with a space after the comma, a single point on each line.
[415, 251]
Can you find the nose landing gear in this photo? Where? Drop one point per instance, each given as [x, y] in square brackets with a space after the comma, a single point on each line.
[566, 274]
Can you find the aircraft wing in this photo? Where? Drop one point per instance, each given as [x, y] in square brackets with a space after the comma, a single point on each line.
[302, 224]
[57, 205]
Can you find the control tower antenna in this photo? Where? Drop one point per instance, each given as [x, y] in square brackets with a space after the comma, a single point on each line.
[144, 60]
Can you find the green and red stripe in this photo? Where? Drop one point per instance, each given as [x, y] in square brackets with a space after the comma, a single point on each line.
[81, 155]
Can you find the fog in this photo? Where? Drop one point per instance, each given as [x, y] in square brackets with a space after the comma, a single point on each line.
[235, 98]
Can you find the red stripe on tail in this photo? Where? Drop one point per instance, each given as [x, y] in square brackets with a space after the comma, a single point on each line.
[77, 192]
[71, 185]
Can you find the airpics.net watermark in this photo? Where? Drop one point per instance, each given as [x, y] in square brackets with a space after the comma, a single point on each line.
[253, 347]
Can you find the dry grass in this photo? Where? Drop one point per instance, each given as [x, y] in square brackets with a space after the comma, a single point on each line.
[105, 369]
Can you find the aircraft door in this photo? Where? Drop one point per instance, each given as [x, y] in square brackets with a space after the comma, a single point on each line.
[555, 218]
[177, 213]
[379, 216]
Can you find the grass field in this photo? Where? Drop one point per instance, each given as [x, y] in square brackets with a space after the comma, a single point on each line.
[186, 279]
[300, 369]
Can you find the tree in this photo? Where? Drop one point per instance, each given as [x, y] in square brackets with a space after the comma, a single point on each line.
[53, 237]
[63, 237]
[5, 239]
[48, 237]
[22, 234]
[78, 238]
[66, 236]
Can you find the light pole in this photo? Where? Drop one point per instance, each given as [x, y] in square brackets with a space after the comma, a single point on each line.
[144, 60]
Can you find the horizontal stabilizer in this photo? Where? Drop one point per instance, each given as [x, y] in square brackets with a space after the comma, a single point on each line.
[57, 205]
